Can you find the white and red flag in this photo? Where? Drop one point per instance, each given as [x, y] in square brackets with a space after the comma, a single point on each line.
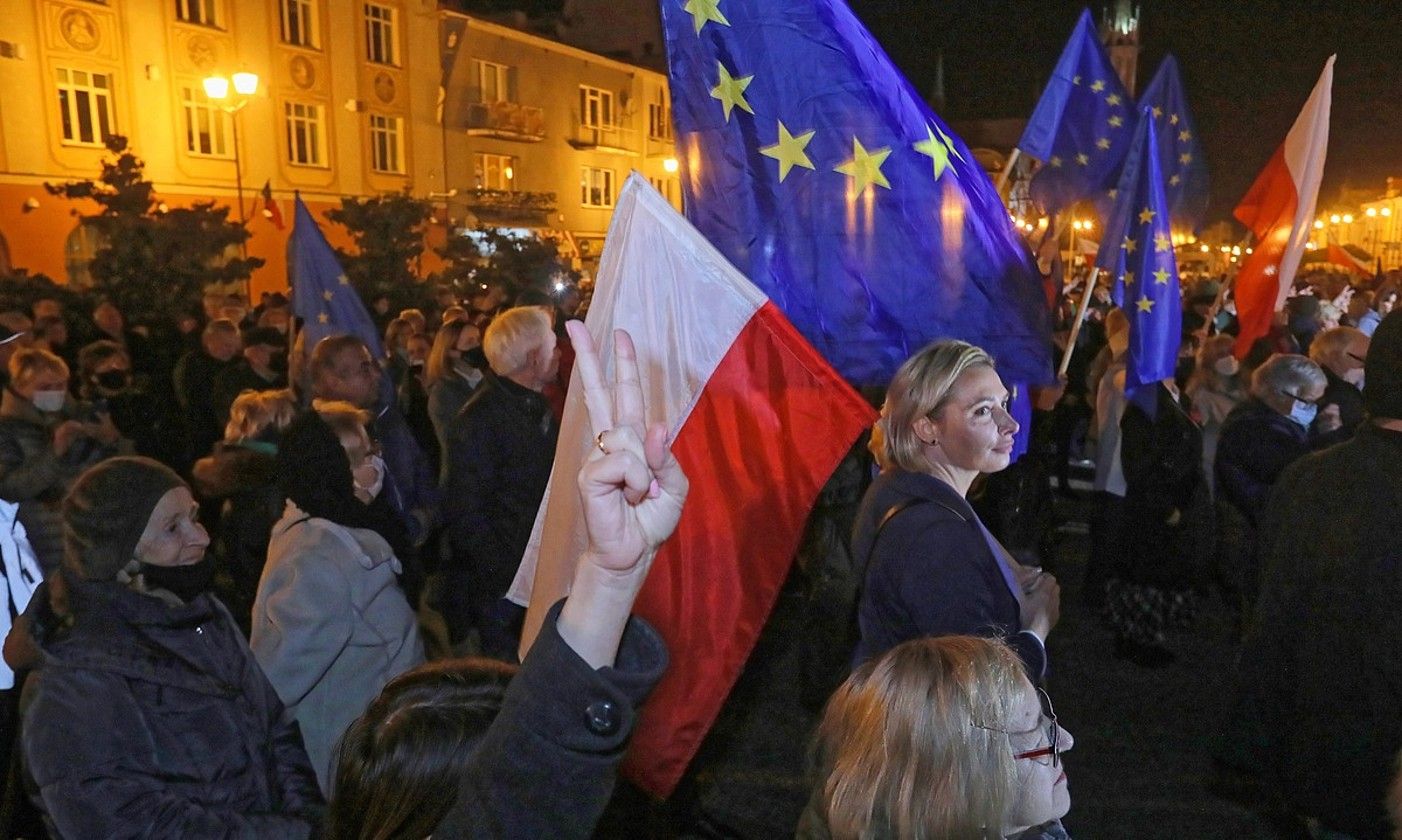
[1279, 210]
[759, 421]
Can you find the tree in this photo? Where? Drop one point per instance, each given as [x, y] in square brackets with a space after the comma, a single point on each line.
[498, 257]
[155, 260]
[388, 232]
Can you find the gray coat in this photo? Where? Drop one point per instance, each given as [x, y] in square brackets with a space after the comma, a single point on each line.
[330, 626]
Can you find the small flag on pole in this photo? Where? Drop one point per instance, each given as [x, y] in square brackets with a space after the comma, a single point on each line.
[1279, 210]
[271, 211]
[1081, 126]
[757, 419]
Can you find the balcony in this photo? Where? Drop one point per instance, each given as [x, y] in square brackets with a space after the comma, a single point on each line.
[505, 208]
[506, 121]
[615, 138]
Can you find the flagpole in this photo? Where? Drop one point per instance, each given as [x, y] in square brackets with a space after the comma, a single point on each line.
[1008, 170]
[1217, 305]
[1080, 317]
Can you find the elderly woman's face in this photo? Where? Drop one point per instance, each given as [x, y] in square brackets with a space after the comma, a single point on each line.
[1042, 794]
[973, 432]
[173, 535]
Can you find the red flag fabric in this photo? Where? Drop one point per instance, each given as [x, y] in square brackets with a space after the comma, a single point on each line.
[1339, 256]
[1279, 210]
[757, 419]
[270, 208]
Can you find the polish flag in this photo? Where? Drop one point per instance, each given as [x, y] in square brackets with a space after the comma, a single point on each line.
[1339, 256]
[1279, 210]
[758, 420]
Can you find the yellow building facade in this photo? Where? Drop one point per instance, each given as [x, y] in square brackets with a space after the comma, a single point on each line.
[348, 103]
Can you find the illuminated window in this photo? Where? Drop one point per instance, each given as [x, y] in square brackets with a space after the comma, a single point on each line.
[85, 106]
[306, 133]
[202, 12]
[495, 172]
[83, 243]
[596, 187]
[379, 34]
[298, 23]
[385, 144]
[206, 125]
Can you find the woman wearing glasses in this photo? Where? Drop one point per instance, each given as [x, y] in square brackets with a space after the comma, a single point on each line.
[940, 738]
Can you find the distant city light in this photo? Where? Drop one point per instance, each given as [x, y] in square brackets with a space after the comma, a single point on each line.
[1319, 224]
[1335, 219]
[1372, 211]
[1348, 218]
[670, 165]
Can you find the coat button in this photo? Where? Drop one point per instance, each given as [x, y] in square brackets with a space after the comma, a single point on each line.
[602, 717]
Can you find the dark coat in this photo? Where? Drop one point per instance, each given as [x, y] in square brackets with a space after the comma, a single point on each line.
[546, 766]
[410, 487]
[1166, 526]
[242, 479]
[932, 572]
[446, 397]
[1256, 444]
[500, 450]
[1316, 709]
[1350, 402]
[194, 378]
[153, 720]
[234, 380]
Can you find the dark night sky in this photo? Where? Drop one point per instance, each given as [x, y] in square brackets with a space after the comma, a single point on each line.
[1248, 66]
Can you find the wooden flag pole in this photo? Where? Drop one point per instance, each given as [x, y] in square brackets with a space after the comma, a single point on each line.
[1080, 318]
[1217, 304]
[1007, 170]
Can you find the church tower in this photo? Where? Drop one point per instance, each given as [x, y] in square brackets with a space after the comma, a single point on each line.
[1120, 32]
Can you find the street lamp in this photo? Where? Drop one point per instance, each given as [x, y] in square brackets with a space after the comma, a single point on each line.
[217, 89]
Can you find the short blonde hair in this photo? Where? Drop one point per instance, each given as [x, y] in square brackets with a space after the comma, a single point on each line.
[1332, 343]
[254, 412]
[29, 362]
[914, 744]
[921, 388]
[512, 336]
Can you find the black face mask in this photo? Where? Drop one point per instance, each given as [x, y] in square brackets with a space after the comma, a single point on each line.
[277, 363]
[184, 582]
[113, 380]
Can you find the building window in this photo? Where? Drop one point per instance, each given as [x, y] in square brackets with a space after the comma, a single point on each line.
[495, 172]
[659, 117]
[197, 11]
[595, 108]
[306, 134]
[494, 82]
[379, 34]
[386, 145]
[83, 243]
[596, 187]
[206, 125]
[298, 23]
[85, 106]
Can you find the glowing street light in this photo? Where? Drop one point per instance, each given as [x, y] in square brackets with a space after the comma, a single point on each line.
[1348, 218]
[671, 165]
[1372, 212]
[1319, 224]
[217, 88]
[1386, 211]
[1335, 219]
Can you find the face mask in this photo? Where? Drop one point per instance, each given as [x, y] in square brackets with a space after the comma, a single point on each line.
[277, 362]
[49, 401]
[112, 380]
[1303, 413]
[369, 477]
[1227, 366]
[184, 582]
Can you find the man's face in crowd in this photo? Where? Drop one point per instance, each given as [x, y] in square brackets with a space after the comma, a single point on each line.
[355, 378]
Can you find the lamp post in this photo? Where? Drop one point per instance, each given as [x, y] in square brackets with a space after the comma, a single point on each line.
[217, 89]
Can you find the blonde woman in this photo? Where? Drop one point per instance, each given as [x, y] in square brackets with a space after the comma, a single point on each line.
[939, 738]
[932, 568]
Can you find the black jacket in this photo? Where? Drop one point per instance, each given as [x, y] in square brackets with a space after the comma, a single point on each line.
[234, 380]
[1350, 402]
[1317, 695]
[1256, 444]
[154, 720]
[932, 572]
[194, 380]
[546, 766]
[500, 450]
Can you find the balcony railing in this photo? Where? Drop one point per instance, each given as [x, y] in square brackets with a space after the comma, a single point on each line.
[505, 207]
[506, 120]
[616, 138]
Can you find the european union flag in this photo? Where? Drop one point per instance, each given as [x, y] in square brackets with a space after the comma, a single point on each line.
[813, 165]
[322, 295]
[1082, 125]
[1180, 155]
[1137, 248]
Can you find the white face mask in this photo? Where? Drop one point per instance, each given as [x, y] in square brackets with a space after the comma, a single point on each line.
[49, 401]
[369, 477]
[1227, 366]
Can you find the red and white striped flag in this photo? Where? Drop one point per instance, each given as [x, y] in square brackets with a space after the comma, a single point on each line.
[1279, 209]
[757, 419]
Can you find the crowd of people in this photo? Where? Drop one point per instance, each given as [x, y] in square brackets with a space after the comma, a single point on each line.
[257, 588]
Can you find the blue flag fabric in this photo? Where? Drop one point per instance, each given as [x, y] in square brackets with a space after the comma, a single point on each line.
[1137, 248]
[1180, 153]
[816, 169]
[1082, 125]
[322, 295]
